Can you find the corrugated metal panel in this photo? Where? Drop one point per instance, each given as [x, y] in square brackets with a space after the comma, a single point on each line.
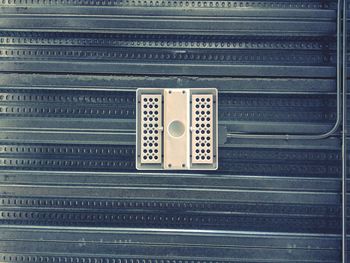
[69, 191]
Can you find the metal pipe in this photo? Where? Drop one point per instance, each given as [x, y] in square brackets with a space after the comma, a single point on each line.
[336, 125]
[344, 143]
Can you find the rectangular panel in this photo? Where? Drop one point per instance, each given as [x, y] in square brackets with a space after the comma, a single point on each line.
[151, 117]
[176, 129]
[202, 128]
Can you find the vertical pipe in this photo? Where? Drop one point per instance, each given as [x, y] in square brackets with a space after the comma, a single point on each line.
[344, 133]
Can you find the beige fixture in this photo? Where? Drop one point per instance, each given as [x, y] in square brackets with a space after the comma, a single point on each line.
[177, 129]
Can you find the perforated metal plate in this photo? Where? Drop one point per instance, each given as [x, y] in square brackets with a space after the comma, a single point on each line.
[202, 129]
[177, 129]
[151, 116]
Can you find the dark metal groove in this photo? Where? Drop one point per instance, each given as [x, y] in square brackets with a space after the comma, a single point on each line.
[287, 162]
[153, 246]
[175, 209]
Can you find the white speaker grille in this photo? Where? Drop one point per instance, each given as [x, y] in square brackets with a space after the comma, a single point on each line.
[151, 137]
[202, 129]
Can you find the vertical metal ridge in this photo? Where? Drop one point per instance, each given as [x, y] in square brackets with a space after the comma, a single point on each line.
[344, 134]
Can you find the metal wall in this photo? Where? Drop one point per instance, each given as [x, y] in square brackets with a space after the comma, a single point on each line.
[69, 191]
